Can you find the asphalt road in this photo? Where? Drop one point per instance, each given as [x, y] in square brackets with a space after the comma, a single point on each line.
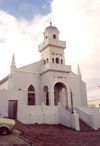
[12, 139]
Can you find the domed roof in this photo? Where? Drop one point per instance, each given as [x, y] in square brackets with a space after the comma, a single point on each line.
[53, 27]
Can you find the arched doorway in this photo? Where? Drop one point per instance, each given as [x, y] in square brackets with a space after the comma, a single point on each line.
[46, 95]
[60, 94]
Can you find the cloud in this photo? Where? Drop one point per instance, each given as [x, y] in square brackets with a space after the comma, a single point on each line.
[44, 6]
[78, 22]
[20, 37]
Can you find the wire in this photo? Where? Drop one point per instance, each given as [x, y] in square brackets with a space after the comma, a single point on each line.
[90, 16]
[36, 22]
[94, 11]
[85, 12]
[97, 94]
[42, 22]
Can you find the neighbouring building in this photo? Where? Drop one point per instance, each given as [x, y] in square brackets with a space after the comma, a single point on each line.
[94, 102]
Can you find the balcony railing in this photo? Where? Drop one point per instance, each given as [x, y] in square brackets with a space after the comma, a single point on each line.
[52, 66]
[50, 41]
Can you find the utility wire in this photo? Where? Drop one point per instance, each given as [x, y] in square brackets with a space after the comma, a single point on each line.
[86, 11]
[94, 11]
[90, 16]
[37, 21]
[53, 12]
[96, 94]
[42, 22]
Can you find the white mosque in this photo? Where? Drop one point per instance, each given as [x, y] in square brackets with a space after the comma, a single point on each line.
[47, 91]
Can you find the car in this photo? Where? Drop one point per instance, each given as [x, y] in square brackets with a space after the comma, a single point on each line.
[6, 125]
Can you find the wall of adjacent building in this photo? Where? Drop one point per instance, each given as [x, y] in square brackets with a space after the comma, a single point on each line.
[94, 102]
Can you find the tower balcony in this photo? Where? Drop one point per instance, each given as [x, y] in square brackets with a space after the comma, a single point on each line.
[52, 42]
[55, 67]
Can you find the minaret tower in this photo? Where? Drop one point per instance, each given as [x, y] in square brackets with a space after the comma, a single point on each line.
[13, 65]
[12, 71]
[78, 71]
[52, 49]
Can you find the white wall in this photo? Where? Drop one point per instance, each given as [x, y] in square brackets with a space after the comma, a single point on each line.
[36, 114]
[68, 119]
[4, 85]
[34, 67]
[83, 94]
[74, 83]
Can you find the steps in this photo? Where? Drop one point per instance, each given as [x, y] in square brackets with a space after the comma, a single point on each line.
[84, 126]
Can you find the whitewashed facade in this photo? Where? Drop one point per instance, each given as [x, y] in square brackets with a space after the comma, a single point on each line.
[32, 93]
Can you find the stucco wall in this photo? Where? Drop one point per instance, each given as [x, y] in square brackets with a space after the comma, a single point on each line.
[5, 96]
[83, 94]
[75, 87]
[4, 85]
[34, 67]
[22, 81]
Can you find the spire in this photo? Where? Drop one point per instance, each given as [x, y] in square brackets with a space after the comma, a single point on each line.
[78, 70]
[50, 21]
[13, 65]
[13, 61]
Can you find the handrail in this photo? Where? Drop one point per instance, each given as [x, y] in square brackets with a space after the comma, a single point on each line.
[81, 110]
[65, 109]
[84, 116]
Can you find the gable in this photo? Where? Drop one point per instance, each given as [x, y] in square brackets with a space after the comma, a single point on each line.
[4, 83]
[73, 75]
[34, 67]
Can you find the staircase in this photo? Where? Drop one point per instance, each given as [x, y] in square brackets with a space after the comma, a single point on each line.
[84, 126]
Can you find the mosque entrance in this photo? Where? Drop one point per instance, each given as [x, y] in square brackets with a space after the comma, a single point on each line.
[60, 94]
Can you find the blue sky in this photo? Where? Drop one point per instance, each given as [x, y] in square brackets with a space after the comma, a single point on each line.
[22, 23]
[26, 9]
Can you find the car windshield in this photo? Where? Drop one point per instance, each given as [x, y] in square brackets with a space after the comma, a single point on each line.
[1, 116]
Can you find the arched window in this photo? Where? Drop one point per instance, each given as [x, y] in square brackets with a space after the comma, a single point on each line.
[31, 95]
[46, 37]
[47, 60]
[47, 98]
[57, 60]
[44, 62]
[52, 60]
[54, 36]
[61, 61]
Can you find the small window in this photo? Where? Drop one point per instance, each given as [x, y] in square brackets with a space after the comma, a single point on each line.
[47, 60]
[57, 60]
[54, 36]
[52, 60]
[44, 62]
[61, 61]
[46, 37]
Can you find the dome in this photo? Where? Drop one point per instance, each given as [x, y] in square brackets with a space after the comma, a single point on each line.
[53, 27]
